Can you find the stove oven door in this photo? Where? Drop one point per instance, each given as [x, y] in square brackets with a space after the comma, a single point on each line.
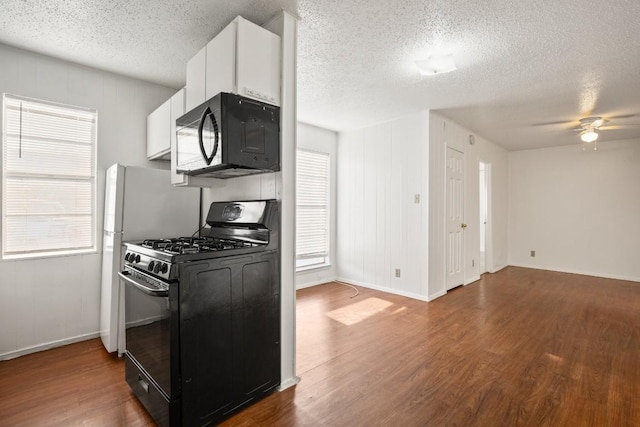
[148, 324]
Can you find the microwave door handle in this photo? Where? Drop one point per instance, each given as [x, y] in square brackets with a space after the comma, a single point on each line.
[208, 114]
[154, 292]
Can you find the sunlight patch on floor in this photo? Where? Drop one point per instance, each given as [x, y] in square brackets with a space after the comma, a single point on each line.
[555, 358]
[359, 311]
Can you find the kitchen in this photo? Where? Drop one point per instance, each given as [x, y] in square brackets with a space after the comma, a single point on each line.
[124, 104]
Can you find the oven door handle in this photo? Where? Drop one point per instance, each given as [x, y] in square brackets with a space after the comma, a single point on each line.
[149, 290]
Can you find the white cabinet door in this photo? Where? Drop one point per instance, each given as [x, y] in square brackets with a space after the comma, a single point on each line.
[221, 62]
[196, 80]
[158, 133]
[258, 63]
[244, 58]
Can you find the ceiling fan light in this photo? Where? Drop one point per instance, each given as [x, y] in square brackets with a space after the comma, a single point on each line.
[589, 135]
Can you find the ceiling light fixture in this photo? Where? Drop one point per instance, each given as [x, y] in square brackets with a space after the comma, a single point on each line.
[436, 64]
[589, 135]
[588, 128]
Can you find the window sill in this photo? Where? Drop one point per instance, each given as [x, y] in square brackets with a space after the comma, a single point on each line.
[46, 255]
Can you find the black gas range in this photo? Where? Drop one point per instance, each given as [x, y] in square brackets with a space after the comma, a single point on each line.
[202, 316]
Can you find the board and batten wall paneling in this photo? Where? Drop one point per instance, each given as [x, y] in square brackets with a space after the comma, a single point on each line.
[324, 141]
[381, 228]
[445, 133]
[350, 155]
[48, 302]
[578, 210]
[437, 236]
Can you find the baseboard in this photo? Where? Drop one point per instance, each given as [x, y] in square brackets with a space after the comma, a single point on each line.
[498, 268]
[383, 289]
[47, 346]
[315, 283]
[437, 295]
[289, 382]
[581, 272]
[473, 279]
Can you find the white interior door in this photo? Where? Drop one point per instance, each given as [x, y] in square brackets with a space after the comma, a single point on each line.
[455, 218]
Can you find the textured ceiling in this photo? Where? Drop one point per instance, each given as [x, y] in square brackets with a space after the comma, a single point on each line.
[527, 71]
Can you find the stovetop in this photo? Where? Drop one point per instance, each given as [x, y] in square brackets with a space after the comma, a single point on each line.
[183, 249]
[194, 245]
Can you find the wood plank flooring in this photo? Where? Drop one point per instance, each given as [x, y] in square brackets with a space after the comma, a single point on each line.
[75, 385]
[519, 347]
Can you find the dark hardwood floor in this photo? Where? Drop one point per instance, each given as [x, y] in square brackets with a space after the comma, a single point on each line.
[519, 347]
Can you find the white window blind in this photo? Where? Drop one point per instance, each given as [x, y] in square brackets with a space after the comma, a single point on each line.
[49, 165]
[312, 204]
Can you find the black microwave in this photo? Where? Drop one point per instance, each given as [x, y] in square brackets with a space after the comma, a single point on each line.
[228, 135]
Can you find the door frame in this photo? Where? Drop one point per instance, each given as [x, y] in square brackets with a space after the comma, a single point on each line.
[488, 235]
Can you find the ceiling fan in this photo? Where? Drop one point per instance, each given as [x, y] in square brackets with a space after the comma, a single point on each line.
[590, 127]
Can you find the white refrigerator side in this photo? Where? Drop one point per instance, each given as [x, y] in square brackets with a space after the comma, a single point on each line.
[153, 208]
[111, 257]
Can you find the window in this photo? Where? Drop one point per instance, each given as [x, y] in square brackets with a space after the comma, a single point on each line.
[312, 209]
[48, 178]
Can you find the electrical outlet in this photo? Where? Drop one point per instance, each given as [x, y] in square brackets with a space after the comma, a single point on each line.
[473, 263]
[397, 272]
[416, 198]
[533, 254]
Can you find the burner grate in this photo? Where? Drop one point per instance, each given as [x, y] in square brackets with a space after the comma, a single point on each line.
[192, 245]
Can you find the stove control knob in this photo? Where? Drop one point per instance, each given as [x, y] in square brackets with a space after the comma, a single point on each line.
[137, 258]
[126, 257]
[157, 268]
[165, 268]
[151, 264]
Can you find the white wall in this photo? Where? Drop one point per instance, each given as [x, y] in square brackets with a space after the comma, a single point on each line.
[380, 227]
[277, 185]
[325, 141]
[445, 133]
[55, 300]
[577, 209]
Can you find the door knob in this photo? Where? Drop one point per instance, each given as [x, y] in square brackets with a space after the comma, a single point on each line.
[463, 225]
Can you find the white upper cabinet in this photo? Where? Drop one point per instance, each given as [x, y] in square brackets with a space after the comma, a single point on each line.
[221, 65]
[196, 77]
[158, 133]
[243, 59]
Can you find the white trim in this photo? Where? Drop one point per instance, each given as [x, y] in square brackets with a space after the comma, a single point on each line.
[290, 382]
[437, 295]
[498, 268]
[472, 280]
[384, 289]
[315, 283]
[322, 266]
[47, 346]
[580, 272]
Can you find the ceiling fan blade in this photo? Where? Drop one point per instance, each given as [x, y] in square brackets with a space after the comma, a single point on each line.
[622, 116]
[559, 122]
[619, 127]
